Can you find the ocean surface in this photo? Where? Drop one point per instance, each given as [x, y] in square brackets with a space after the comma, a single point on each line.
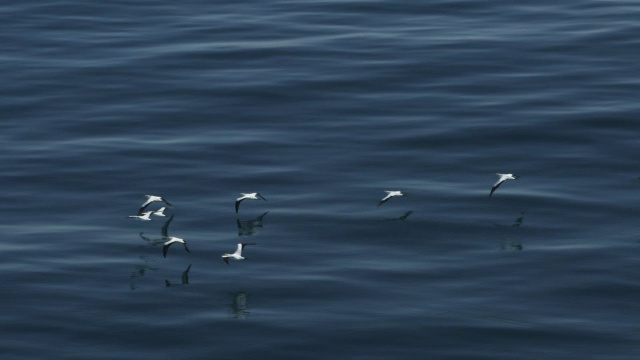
[320, 106]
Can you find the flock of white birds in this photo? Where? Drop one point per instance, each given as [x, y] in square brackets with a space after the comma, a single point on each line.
[237, 255]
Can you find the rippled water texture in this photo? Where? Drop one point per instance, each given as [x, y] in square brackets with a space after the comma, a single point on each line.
[320, 106]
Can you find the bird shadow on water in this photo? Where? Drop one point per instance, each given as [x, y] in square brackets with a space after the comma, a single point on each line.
[511, 242]
[151, 241]
[184, 279]
[140, 271]
[239, 307]
[250, 227]
[403, 217]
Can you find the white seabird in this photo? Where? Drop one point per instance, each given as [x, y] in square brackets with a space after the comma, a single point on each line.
[390, 194]
[171, 240]
[150, 199]
[503, 178]
[251, 196]
[236, 255]
[160, 212]
[143, 216]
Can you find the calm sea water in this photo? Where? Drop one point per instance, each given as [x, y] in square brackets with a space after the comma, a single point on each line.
[321, 106]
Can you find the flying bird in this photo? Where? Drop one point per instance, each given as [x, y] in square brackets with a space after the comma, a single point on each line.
[251, 196]
[503, 178]
[170, 240]
[390, 194]
[236, 255]
[160, 212]
[142, 216]
[150, 199]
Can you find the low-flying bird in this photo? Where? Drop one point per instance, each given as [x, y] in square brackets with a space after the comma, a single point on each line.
[142, 216]
[170, 240]
[390, 194]
[160, 212]
[503, 178]
[150, 199]
[236, 255]
[251, 196]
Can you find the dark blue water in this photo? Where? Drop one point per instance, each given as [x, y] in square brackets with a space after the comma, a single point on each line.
[321, 106]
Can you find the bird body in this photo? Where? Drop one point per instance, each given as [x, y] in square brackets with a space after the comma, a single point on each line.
[503, 178]
[236, 255]
[151, 199]
[172, 240]
[160, 212]
[390, 194]
[250, 196]
[142, 216]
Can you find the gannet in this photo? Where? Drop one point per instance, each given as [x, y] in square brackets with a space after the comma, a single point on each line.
[142, 216]
[390, 194]
[171, 240]
[251, 196]
[150, 199]
[503, 178]
[236, 255]
[160, 212]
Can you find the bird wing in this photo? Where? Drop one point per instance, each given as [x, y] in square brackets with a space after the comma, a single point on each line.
[165, 248]
[166, 202]
[186, 248]
[242, 245]
[495, 186]
[144, 206]
[384, 199]
[239, 249]
[165, 227]
[261, 197]
[238, 201]
[225, 259]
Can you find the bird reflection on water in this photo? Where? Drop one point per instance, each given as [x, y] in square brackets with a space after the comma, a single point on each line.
[184, 279]
[151, 241]
[238, 307]
[404, 217]
[250, 227]
[139, 272]
[512, 243]
[518, 221]
[164, 232]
